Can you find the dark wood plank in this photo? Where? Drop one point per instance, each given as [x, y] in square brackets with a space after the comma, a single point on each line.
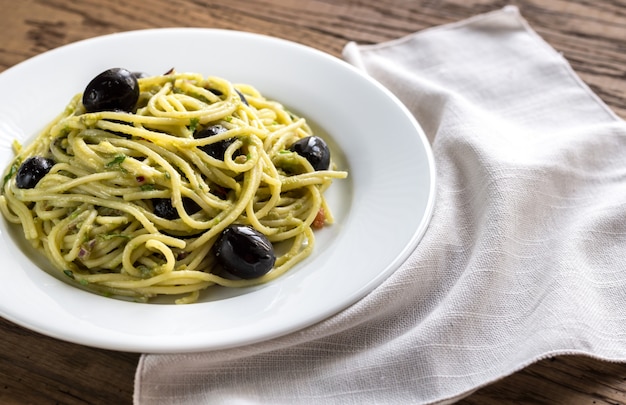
[40, 370]
[560, 380]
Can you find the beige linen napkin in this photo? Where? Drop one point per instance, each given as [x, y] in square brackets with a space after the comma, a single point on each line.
[522, 260]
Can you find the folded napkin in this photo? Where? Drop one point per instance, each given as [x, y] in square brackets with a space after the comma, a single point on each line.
[522, 259]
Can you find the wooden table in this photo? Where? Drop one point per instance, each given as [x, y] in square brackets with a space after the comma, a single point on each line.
[592, 36]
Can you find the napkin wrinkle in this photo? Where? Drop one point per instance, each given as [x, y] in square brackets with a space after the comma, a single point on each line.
[536, 169]
[520, 260]
[395, 66]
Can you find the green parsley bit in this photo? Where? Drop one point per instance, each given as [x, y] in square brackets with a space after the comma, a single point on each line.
[117, 160]
[11, 173]
[193, 124]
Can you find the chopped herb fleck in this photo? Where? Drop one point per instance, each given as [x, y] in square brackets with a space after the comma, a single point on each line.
[117, 160]
[75, 214]
[69, 273]
[193, 124]
[145, 271]
[11, 173]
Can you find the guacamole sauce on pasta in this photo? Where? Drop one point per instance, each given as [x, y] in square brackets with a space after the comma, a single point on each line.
[134, 201]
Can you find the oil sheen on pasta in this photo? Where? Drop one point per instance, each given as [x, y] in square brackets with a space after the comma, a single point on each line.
[93, 213]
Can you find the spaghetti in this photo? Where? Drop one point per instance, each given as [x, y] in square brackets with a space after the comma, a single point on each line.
[94, 213]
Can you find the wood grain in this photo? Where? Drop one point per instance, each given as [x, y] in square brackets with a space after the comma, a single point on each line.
[35, 369]
[39, 370]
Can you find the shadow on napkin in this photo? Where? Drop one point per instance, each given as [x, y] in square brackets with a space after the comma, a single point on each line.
[522, 259]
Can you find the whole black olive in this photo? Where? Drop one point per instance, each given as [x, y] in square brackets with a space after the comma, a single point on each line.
[113, 89]
[163, 207]
[313, 149]
[216, 149]
[32, 170]
[244, 252]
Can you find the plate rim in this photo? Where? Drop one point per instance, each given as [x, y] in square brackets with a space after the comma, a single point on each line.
[406, 251]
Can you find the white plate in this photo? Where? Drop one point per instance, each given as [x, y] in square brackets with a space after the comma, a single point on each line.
[382, 209]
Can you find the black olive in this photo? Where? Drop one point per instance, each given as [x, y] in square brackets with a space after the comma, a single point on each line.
[190, 206]
[163, 207]
[113, 89]
[244, 252]
[313, 149]
[216, 149]
[32, 170]
[242, 97]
